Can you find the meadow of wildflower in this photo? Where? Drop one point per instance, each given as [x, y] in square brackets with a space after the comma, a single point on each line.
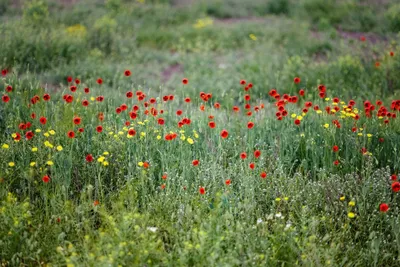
[199, 133]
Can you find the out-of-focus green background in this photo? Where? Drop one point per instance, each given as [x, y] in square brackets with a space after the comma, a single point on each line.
[212, 42]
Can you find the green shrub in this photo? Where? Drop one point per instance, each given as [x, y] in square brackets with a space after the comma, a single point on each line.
[393, 16]
[36, 12]
[278, 7]
[4, 4]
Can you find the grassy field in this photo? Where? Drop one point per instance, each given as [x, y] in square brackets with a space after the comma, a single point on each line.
[200, 133]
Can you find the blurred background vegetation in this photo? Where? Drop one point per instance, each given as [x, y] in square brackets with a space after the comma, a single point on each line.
[212, 42]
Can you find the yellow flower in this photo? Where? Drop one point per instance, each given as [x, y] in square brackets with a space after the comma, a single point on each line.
[13, 135]
[196, 135]
[110, 133]
[369, 135]
[299, 118]
[143, 134]
[48, 144]
[52, 132]
[183, 138]
[106, 153]
[190, 141]
[5, 146]
[286, 198]
[120, 133]
[38, 130]
[11, 164]
[294, 115]
[327, 99]
[253, 37]
[352, 203]
[140, 164]
[360, 134]
[50, 163]
[105, 163]
[277, 199]
[140, 123]
[101, 159]
[342, 198]
[302, 135]
[146, 121]
[92, 98]
[34, 149]
[182, 131]
[59, 148]
[326, 125]
[46, 134]
[319, 111]
[125, 129]
[32, 164]
[158, 137]
[351, 215]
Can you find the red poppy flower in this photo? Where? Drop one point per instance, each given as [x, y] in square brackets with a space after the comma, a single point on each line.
[22, 126]
[211, 124]
[164, 177]
[96, 202]
[4, 72]
[377, 64]
[85, 103]
[263, 175]
[163, 186]
[391, 53]
[28, 125]
[129, 94]
[89, 158]
[383, 207]
[393, 177]
[131, 132]
[242, 82]
[99, 129]
[336, 162]
[33, 116]
[43, 120]
[195, 162]
[99, 81]
[257, 153]
[217, 105]
[72, 88]
[247, 97]
[46, 179]
[29, 135]
[80, 130]
[5, 98]
[396, 187]
[185, 81]
[381, 140]
[77, 81]
[236, 109]
[127, 73]
[71, 134]
[69, 79]
[46, 97]
[69, 98]
[77, 120]
[187, 100]
[17, 137]
[335, 148]
[250, 125]
[118, 110]
[252, 165]
[243, 155]
[100, 98]
[228, 181]
[9, 88]
[146, 165]
[202, 190]
[224, 133]
[160, 121]
[296, 80]
[297, 121]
